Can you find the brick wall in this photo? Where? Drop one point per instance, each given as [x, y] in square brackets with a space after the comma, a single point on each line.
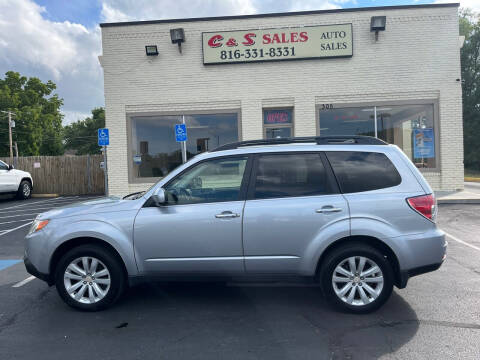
[416, 58]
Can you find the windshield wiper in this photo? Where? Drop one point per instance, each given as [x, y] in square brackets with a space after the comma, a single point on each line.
[140, 193]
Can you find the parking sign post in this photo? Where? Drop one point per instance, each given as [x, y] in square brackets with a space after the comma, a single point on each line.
[181, 137]
[104, 140]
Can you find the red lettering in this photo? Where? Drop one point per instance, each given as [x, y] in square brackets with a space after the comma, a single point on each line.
[284, 38]
[266, 39]
[232, 42]
[294, 37]
[303, 36]
[215, 41]
[276, 39]
[249, 39]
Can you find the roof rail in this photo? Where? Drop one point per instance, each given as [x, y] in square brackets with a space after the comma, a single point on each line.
[319, 140]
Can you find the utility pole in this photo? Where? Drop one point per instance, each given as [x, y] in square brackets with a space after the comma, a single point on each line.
[16, 155]
[10, 133]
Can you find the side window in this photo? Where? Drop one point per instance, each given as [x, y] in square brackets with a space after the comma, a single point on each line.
[3, 166]
[210, 181]
[281, 175]
[363, 171]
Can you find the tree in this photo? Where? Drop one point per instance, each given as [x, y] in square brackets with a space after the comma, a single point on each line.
[470, 58]
[38, 121]
[82, 135]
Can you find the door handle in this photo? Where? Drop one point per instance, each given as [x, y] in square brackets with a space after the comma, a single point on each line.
[226, 214]
[325, 210]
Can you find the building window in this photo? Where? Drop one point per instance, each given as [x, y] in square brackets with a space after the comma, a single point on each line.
[277, 123]
[411, 127]
[154, 151]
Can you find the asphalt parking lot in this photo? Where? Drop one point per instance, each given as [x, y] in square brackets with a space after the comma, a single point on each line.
[436, 317]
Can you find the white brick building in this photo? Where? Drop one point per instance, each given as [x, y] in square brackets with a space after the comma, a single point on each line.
[403, 87]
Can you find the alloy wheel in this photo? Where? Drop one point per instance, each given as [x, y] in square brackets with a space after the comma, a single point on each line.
[87, 280]
[357, 280]
[26, 190]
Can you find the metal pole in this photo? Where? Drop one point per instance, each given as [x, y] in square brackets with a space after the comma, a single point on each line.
[105, 169]
[184, 145]
[10, 135]
[375, 117]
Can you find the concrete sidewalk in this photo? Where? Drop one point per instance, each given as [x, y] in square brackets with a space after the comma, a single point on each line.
[470, 195]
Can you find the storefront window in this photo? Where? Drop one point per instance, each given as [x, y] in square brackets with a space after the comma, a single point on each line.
[154, 151]
[411, 127]
[277, 123]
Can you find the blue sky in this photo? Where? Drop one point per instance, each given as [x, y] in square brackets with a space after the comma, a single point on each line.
[60, 40]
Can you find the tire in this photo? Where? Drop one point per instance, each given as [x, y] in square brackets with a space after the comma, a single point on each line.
[371, 291]
[97, 294]
[24, 190]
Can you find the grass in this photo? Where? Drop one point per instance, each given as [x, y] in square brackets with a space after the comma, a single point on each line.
[472, 175]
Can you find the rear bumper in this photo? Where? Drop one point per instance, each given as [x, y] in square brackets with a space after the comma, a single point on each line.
[422, 253]
[407, 274]
[31, 269]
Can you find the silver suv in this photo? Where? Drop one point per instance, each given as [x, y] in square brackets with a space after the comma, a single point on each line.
[350, 213]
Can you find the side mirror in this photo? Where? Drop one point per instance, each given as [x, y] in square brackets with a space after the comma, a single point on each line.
[10, 167]
[159, 197]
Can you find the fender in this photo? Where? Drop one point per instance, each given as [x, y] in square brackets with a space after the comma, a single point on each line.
[102, 230]
[382, 230]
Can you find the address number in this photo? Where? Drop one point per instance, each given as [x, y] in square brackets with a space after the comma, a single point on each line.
[327, 106]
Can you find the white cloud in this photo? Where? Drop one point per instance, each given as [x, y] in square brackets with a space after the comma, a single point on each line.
[471, 4]
[73, 116]
[128, 10]
[64, 52]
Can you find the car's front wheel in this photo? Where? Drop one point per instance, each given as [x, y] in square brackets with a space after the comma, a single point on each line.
[356, 278]
[89, 277]
[24, 190]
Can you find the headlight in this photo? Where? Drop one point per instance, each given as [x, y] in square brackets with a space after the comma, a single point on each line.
[38, 225]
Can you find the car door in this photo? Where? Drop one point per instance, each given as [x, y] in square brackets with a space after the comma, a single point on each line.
[199, 229]
[8, 179]
[292, 206]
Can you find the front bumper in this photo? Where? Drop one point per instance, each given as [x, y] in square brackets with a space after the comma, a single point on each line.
[31, 269]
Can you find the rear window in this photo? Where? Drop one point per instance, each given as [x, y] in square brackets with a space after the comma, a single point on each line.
[363, 171]
[283, 175]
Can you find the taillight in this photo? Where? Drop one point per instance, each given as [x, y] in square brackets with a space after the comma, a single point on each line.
[424, 205]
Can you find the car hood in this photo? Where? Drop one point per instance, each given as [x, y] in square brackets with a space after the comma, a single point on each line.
[106, 204]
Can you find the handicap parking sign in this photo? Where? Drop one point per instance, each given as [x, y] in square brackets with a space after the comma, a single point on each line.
[103, 137]
[180, 132]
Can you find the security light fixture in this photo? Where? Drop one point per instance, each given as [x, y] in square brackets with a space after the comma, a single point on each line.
[377, 24]
[151, 50]
[178, 37]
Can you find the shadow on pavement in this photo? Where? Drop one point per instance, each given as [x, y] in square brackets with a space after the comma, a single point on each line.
[205, 321]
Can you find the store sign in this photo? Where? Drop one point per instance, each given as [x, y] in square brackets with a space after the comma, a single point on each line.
[309, 42]
[424, 144]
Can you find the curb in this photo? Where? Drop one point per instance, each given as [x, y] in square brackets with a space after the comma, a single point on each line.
[45, 195]
[458, 201]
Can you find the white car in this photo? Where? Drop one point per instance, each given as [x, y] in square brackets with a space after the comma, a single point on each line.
[15, 181]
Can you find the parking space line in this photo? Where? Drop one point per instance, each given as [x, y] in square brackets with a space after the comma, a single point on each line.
[18, 227]
[23, 282]
[7, 263]
[14, 221]
[51, 205]
[462, 242]
[19, 215]
[30, 203]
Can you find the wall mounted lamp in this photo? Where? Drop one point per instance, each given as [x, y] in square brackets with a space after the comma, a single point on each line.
[151, 50]
[378, 23]
[178, 37]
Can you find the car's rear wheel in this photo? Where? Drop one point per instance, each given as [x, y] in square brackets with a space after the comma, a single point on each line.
[356, 278]
[89, 277]
[24, 190]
